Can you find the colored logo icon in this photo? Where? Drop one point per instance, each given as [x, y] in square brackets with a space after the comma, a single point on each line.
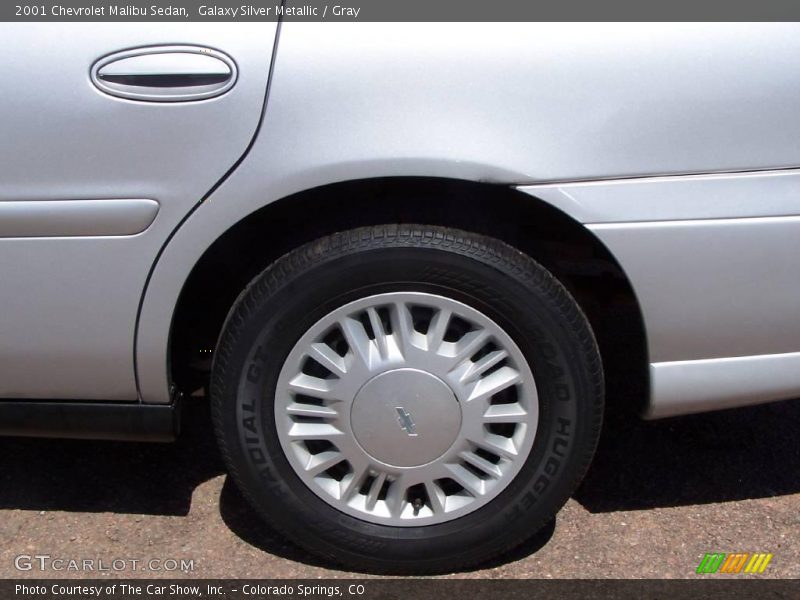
[739, 562]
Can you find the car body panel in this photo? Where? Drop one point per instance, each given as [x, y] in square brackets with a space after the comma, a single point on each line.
[579, 102]
[554, 109]
[713, 288]
[70, 297]
[713, 259]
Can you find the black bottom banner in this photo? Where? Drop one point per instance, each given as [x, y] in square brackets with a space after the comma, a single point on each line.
[369, 589]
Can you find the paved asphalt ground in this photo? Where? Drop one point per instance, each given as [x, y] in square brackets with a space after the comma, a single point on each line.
[659, 495]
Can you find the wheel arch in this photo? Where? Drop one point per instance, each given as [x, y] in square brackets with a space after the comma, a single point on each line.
[564, 246]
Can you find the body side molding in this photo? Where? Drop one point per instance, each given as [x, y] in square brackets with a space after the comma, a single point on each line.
[76, 218]
[691, 386]
[679, 197]
[124, 421]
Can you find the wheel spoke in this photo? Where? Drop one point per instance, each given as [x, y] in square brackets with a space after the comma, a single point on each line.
[496, 382]
[436, 497]
[352, 482]
[498, 444]
[312, 386]
[438, 328]
[357, 339]
[396, 496]
[381, 338]
[313, 431]
[309, 410]
[466, 479]
[318, 463]
[470, 344]
[375, 490]
[327, 357]
[477, 369]
[481, 463]
[403, 326]
[505, 413]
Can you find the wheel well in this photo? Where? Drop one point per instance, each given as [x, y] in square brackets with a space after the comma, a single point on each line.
[560, 244]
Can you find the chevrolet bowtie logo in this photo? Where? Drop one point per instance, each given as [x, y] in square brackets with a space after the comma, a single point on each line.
[406, 423]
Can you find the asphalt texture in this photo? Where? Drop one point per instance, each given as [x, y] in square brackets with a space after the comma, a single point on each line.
[658, 496]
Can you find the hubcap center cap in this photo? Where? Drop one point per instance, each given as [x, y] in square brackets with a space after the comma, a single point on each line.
[405, 417]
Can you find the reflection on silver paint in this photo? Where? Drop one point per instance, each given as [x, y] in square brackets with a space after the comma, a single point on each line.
[700, 385]
[68, 218]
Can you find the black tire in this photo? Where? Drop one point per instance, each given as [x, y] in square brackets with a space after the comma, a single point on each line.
[517, 293]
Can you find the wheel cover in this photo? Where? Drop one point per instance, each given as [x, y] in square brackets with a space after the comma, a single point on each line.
[406, 409]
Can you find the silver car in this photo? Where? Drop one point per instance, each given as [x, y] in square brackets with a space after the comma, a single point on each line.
[403, 262]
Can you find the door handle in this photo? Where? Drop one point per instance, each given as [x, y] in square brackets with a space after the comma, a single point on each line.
[165, 73]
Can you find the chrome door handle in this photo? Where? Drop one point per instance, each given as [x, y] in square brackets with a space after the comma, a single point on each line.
[165, 73]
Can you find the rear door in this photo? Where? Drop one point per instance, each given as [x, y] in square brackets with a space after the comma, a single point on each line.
[92, 183]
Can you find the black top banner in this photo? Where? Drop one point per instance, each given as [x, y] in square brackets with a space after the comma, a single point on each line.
[400, 10]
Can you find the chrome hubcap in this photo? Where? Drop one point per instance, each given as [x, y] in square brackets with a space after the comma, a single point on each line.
[406, 409]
